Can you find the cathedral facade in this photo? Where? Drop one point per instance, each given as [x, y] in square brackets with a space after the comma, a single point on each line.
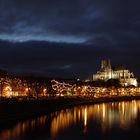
[124, 75]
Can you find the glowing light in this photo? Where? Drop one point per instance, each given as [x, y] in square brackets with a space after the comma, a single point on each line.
[26, 89]
[44, 90]
[8, 90]
[123, 107]
[97, 92]
[103, 111]
[85, 117]
[135, 83]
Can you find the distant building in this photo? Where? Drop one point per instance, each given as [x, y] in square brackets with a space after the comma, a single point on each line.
[124, 75]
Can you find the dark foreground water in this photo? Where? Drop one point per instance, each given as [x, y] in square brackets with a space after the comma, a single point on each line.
[105, 121]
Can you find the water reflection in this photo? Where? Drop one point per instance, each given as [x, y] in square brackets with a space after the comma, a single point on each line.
[122, 114]
[108, 115]
[21, 128]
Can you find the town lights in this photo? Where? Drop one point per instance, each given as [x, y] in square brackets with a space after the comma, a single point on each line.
[85, 87]
[26, 89]
[44, 91]
[8, 91]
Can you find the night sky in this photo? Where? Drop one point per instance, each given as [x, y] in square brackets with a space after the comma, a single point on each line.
[68, 38]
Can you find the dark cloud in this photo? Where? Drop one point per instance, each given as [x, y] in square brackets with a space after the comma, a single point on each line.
[62, 60]
[85, 31]
[89, 19]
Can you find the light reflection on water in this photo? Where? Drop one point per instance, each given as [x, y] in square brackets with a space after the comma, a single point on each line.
[122, 114]
[108, 115]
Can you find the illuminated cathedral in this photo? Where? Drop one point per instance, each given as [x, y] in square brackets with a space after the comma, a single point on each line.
[124, 75]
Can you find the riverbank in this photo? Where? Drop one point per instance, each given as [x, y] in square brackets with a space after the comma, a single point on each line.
[14, 110]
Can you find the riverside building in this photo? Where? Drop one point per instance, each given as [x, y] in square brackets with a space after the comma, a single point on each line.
[124, 75]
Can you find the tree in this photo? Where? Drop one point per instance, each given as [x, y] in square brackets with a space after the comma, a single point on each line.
[113, 82]
[2, 83]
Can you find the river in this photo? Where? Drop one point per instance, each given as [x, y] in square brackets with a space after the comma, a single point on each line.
[110, 121]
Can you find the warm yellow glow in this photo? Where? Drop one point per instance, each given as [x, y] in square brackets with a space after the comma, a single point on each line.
[8, 88]
[21, 128]
[85, 117]
[79, 115]
[123, 107]
[103, 111]
[97, 92]
[26, 89]
[121, 113]
[8, 91]
[44, 90]
[135, 82]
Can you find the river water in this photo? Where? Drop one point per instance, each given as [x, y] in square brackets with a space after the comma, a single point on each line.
[108, 121]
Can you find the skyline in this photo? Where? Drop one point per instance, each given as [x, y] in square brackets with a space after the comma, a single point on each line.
[68, 38]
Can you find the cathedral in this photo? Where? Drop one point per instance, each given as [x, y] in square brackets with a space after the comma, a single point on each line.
[124, 75]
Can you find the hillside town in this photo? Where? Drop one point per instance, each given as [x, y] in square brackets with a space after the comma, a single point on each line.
[106, 82]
